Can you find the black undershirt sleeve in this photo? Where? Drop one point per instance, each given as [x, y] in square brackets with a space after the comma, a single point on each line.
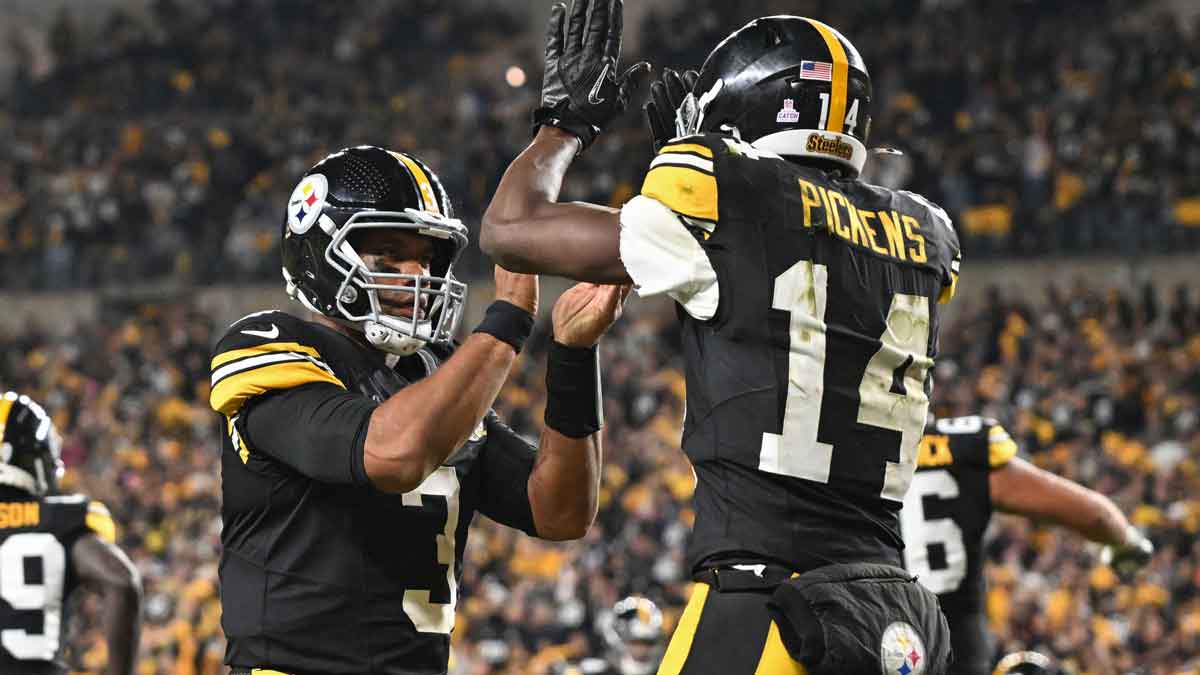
[505, 464]
[318, 429]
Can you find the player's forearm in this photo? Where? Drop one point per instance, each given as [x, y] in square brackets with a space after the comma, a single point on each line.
[526, 229]
[1025, 489]
[123, 621]
[415, 430]
[564, 487]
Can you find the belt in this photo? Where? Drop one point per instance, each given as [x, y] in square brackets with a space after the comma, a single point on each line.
[734, 578]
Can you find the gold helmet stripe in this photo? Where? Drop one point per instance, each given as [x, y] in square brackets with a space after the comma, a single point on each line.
[841, 76]
[424, 186]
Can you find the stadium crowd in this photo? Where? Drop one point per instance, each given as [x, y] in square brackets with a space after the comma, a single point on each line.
[1102, 387]
[188, 122]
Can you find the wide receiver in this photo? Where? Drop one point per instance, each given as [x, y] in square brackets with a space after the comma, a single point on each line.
[809, 307]
[967, 466]
[49, 546]
[360, 444]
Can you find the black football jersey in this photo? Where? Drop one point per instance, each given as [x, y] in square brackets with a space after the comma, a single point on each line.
[946, 515]
[37, 576]
[807, 390]
[325, 577]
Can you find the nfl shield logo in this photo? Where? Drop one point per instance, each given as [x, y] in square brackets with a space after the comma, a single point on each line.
[902, 651]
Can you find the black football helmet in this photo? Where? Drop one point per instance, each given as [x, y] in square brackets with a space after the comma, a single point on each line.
[369, 187]
[633, 634]
[1027, 663]
[788, 85]
[30, 447]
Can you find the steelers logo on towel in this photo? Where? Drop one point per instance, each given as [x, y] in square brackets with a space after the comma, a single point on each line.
[902, 651]
[306, 202]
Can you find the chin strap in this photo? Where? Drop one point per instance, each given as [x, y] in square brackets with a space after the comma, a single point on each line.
[389, 340]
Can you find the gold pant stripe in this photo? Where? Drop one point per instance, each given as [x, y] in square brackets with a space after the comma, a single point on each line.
[841, 77]
[264, 671]
[775, 659]
[685, 632]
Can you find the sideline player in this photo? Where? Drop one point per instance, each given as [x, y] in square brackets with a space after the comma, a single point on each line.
[361, 443]
[809, 308]
[966, 466]
[49, 546]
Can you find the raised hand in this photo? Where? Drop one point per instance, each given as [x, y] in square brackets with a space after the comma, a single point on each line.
[582, 93]
[666, 95]
[585, 311]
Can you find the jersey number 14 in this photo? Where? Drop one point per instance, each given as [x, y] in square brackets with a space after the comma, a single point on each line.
[902, 359]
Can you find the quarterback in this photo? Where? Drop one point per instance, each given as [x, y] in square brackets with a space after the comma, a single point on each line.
[49, 546]
[360, 444]
[965, 467]
[809, 307]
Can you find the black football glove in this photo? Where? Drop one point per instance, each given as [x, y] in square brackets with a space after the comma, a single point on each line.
[666, 95]
[1126, 559]
[581, 90]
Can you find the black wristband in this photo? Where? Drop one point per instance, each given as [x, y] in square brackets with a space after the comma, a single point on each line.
[507, 323]
[562, 117]
[573, 401]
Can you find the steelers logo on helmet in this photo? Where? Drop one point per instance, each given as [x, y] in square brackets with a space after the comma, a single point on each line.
[902, 651]
[306, 202]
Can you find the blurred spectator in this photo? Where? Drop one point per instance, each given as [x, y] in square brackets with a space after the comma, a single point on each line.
[1095, 385]
[173, 137]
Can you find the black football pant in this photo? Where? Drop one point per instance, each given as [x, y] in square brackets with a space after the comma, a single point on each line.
[727, 633]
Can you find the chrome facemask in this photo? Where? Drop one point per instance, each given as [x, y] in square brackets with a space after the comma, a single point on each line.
[437, 301]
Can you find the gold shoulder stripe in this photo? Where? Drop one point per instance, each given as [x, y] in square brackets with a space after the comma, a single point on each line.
[231, 392]
[684, 190]
[702, 150]
[1001, 447]
[265, 348]
[841, 76]
[100, 521]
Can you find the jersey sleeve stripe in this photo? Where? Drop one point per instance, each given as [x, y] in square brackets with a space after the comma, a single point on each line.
[231, 392]
[694, 148]
[263, 360]
[265, 348]
[684, 190]
[841, 76]
[680, 159]
[100, 521]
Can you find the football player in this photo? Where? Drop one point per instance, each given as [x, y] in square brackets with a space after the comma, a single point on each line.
[50, 545]
[360, 444]
[632, 633]
[966, 466]
[809, 307]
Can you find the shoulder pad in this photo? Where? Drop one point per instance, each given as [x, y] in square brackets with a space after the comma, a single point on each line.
[261, 352]
[101, 522]
[681, 176]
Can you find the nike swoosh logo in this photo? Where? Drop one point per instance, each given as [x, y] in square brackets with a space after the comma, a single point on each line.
[268, 334]
[594, 94]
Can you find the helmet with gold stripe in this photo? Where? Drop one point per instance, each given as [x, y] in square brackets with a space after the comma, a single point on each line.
[359, 195]
[29, 446]
[789, 85]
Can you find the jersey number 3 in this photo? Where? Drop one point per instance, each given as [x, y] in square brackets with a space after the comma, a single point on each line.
[891, 393]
